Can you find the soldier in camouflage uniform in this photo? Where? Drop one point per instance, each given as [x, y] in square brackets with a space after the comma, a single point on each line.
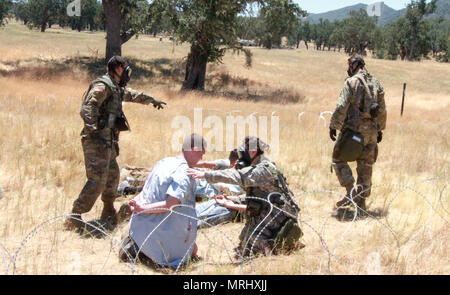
[101, 111]
[360, 108]
[272, 211]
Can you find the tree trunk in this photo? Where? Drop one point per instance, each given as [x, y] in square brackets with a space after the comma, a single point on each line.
[306, 44]
[413, 46]
[44, 22]
[43, 26]
[113, 18]
[194, 78]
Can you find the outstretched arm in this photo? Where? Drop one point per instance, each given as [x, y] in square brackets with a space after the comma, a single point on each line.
[245, 178]
[131, 95]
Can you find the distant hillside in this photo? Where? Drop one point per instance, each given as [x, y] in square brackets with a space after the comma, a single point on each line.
[333, 15]
[386, 13]
[443, 9]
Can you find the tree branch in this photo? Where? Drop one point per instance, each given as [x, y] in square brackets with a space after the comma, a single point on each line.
[125, 36]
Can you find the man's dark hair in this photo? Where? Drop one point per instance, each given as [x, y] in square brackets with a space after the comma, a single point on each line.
[115, 62]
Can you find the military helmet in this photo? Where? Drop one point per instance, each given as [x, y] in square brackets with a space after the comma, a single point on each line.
[252, 143]
[115, 62]
[357, 59]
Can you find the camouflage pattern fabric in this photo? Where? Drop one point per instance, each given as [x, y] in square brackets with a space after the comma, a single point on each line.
[264, 223]
[100, 143]
[353, 112]
[102, 173]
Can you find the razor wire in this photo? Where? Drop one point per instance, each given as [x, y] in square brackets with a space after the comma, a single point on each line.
[376, 219]
[43, 226]
[320, 233]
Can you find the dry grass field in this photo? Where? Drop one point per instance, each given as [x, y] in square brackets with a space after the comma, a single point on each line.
[42, 79]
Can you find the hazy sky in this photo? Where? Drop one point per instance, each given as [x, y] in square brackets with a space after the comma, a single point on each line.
[318, 6]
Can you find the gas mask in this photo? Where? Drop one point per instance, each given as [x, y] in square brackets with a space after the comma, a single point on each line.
[125, 77]
[350, 70]
[244, 159]
[250, 143]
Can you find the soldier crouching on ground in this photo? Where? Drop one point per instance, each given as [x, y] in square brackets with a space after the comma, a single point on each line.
[272, 224]
[360, 115]
[101, 111]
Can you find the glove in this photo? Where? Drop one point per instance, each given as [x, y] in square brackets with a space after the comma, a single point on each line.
[333, 134]
[158, 104]
[379, 137]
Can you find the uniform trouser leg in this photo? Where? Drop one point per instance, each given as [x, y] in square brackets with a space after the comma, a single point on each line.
[98, 158]
[364, 167]
[343, 173]
[110, 192]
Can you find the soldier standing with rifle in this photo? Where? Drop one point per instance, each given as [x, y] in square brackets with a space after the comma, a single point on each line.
[104, 119]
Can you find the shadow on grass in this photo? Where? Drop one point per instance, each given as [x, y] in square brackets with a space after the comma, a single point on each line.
[159, 71]
[47, 69]
[235, 87]
[348, 214]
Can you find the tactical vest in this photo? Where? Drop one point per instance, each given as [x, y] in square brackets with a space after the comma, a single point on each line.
[112, 104]
[366, 96]
[282, 198]
[274, 228]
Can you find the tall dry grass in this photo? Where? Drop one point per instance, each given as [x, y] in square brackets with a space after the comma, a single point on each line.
[42, 171]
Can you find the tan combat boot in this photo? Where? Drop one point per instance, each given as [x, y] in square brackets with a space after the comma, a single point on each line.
[73, 224]
[109, 215]
[346, 200]
[360, 200]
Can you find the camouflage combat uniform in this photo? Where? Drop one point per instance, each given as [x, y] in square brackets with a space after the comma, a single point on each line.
[266, 229]
[100, 139]
[353, 112]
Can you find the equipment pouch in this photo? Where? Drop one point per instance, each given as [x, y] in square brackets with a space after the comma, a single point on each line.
[110, 123]
[349, 146]
[121, 123]
[253, 208]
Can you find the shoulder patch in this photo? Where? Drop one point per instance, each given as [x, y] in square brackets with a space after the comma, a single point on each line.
[99, 87]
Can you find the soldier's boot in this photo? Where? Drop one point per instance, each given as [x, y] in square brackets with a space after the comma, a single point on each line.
[360, 200]
[346, 200]
[72, 223]
[108, 218]
[128, 250]
[361, 203]
[124, 213]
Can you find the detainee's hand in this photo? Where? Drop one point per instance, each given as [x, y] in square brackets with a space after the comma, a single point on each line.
[222, 200]
[196, 174]
[135, 206]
